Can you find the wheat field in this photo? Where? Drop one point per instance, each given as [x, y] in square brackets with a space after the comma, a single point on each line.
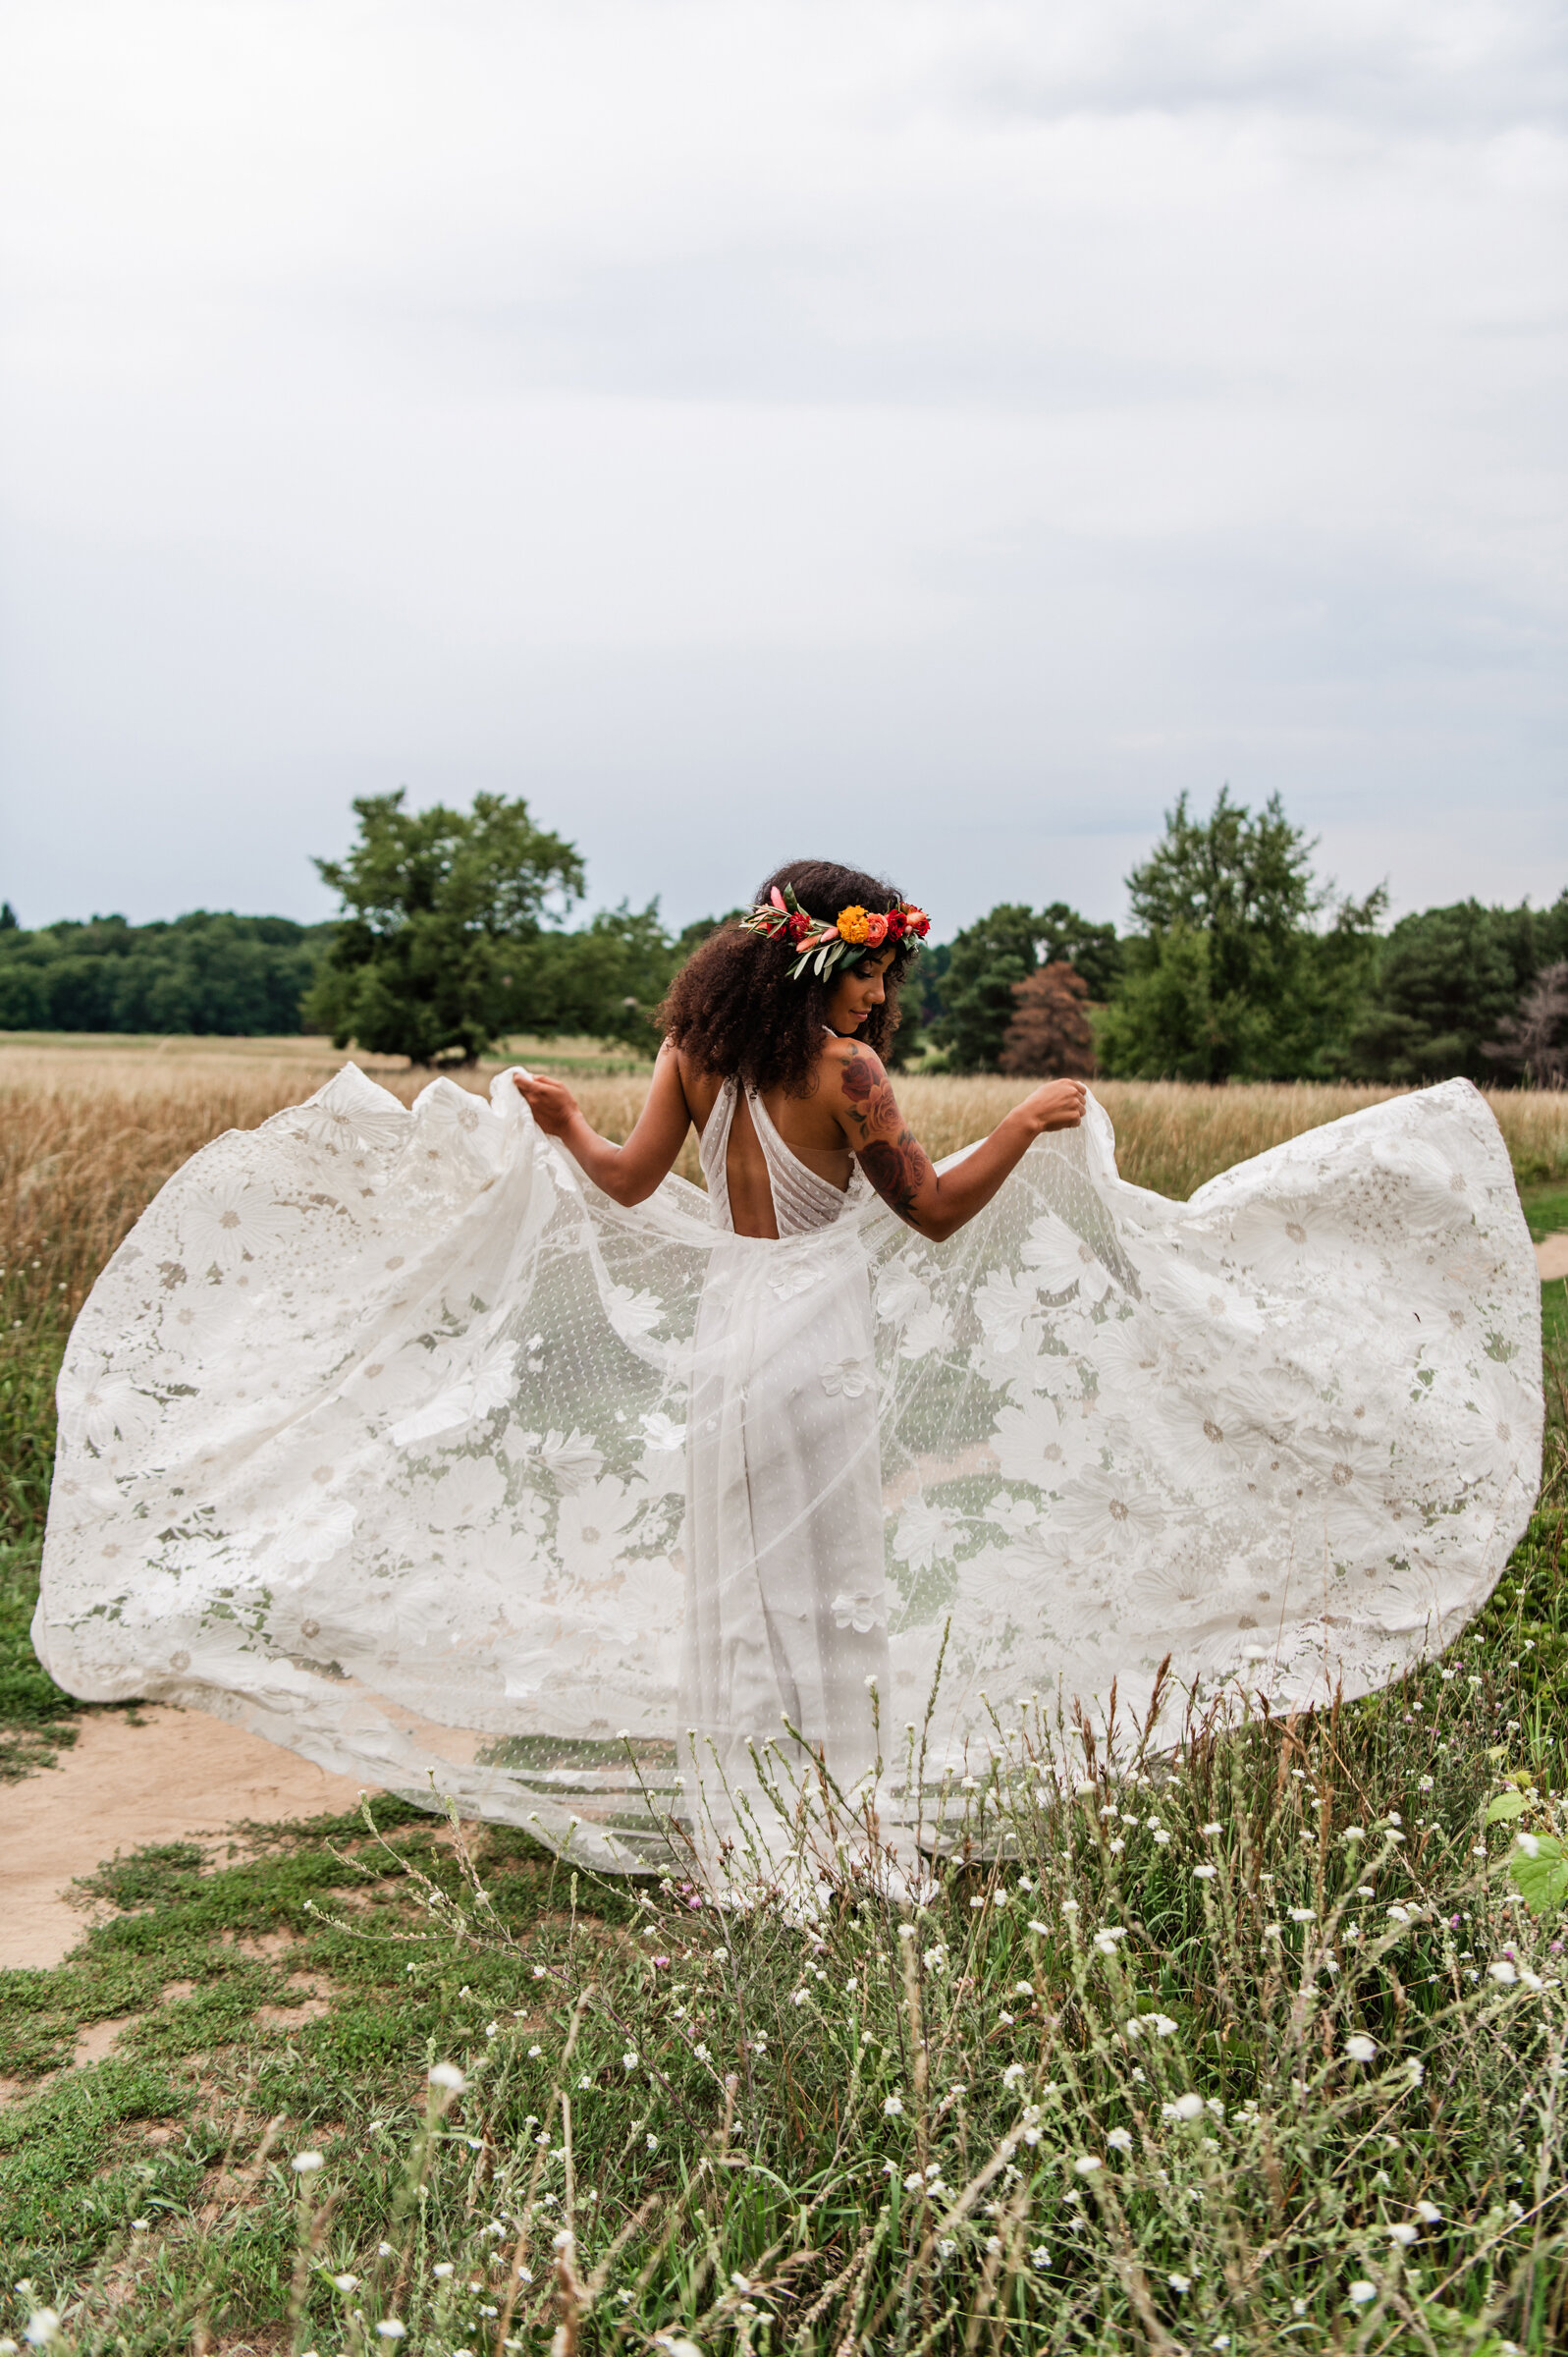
[91, 1126]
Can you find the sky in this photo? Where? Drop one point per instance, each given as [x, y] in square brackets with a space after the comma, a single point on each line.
[927, 433]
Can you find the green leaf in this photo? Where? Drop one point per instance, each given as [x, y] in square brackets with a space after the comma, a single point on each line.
[1506, 1804]
[1542, 1881]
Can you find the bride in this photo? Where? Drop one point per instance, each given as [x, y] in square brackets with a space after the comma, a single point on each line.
[463, 1450]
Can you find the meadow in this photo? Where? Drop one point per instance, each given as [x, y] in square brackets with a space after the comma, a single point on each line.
[1256, 2046]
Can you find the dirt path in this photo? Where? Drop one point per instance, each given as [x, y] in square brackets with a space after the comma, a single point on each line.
[177, 1777]
[1551, 1258]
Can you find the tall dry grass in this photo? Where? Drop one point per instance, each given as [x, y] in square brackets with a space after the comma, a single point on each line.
[89, 1129]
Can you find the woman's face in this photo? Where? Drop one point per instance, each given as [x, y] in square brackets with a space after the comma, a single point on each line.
[856, 990]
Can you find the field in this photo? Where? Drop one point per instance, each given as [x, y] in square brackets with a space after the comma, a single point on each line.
[1259, 2047]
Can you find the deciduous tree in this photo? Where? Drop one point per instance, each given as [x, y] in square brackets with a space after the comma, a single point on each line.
[440, 910]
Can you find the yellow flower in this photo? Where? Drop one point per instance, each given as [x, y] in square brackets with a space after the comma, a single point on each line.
[854, 924]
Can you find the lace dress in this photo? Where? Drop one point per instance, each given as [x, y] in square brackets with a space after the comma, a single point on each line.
[786, 1610]
[387, 1435]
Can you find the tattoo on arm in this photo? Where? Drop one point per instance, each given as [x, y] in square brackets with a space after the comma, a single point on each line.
[898, 1170]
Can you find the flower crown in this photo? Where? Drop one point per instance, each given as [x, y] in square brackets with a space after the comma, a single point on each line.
[823, 946]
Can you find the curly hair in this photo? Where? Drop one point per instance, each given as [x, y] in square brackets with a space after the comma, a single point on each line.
[734, 1008]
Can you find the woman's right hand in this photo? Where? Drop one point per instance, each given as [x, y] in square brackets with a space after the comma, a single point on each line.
[1057, 1105]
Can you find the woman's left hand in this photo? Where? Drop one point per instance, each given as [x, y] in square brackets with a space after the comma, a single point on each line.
[551, 1102]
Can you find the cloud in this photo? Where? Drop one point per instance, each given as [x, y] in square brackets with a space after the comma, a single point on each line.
[941, 431]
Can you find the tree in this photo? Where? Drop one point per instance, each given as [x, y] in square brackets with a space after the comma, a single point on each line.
[1004, 947]
[1233, 974]
[209, 971]
[605, 980]
[439, 912]
[1448, 980]
[1534, 1043]
[1050, 1036]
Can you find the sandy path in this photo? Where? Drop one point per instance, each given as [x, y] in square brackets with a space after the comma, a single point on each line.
[178, 1777]
[1551, 1258]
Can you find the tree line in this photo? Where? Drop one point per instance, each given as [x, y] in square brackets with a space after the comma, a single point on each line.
[1240, 963]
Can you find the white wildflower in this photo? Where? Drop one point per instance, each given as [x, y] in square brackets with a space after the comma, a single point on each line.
[1086, 2163]
[1363, 2291]
[448, 2075]
[1360, 2048]
[893, 2109]
[1119, 2140]
[305, 2165]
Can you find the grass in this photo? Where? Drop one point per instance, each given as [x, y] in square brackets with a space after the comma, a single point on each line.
[800, 2127]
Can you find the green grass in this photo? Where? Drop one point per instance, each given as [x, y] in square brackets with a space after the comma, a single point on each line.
[289, 1992]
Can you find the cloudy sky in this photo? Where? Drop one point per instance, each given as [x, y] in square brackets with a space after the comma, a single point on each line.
[929, 432]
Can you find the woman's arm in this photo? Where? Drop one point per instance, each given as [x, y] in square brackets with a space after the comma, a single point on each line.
[896, 1163]
[626, 1174]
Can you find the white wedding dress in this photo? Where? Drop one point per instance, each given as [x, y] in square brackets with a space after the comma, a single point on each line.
[387, 1435]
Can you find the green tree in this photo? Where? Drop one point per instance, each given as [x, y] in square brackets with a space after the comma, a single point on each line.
[1448, 981]
[605, 980]
[440, 909]
[1234, 972]
[983, 962]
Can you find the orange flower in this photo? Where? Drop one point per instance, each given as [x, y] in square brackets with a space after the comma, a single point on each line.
[853, 923]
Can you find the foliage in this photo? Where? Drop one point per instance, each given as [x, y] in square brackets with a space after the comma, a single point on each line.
[1233, 975]
[1003, 947]
[1448, 980]
[1534, 1043]
[217, 974]
[1050, 1035]
[440, 910]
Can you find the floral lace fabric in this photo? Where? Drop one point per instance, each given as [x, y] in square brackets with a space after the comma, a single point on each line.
[373, 1436]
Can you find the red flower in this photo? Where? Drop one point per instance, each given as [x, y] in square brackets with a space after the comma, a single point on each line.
[799, 925]
[917, 921]
[894, 924]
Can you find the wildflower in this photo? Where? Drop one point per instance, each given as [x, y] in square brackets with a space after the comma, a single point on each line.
[1204, 1874]
[1012, 2074]
[539, 1972]
[1417, 2069]
[1404, 2233]
[740, 2282]
[1428, 2214]
[1502, 1971]
[935, 1959]
[345, 2282]
[1040, 2256]
[1119, 2140]
[1354, 1832]
[534, 2052]
[447, 2074]
[801, 1997]
[1302, 1915]
[390, 2328]
[1360, 2048]
[1179, 2283]
[1023, 1988]
[383, 2250]
[893, 2109]
[1086, 2163]
[41, 2327]
[585, 2081]
[305, 2165]
[139, 2225]
[1185, 2107]
[1426, 1783]
[1161, 1836]
[1363, 2291]
[629, 2060]
[914, 2182]
[443, 2268]
[702, 2053]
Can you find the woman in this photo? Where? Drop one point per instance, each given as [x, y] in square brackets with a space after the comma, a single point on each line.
[772, 1049]
[459, 1448]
